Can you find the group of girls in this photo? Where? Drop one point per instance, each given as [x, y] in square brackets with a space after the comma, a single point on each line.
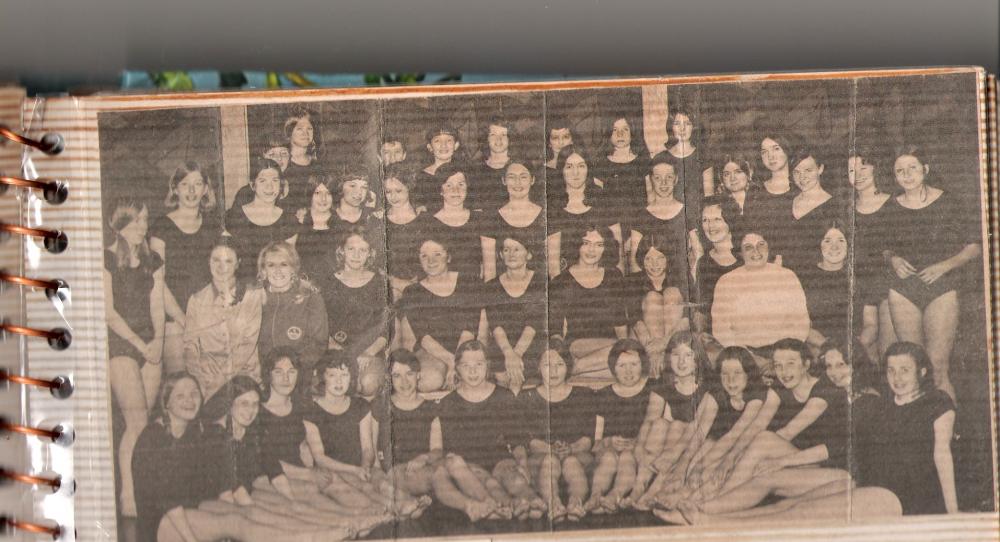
[631, 246]
[705, 443]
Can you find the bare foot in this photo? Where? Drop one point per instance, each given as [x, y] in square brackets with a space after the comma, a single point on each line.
[575, 510]
[477, 510]
[670, 516]
[593, 503]
[611, 502]
[557, 512]
[521, 508]
[692, 513]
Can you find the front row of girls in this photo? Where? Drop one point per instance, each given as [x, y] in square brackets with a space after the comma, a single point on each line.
[705, 443]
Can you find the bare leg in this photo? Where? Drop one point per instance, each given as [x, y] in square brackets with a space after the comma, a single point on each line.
[173, 348]
[517, 485]
[591, 356]
[371, 379]
[940, 327]
[547, 482]
[507, 505]
[673, 313]
[604, 476]
[907, 320]
[663, 460]
[765, 445]
[886, 331]
[865, 503]
[575, 474]
[432, 372]
[451, 496]
[785, 482]
[129, 392]
[624, 479]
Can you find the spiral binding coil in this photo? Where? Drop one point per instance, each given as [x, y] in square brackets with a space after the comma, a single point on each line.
[54, 192]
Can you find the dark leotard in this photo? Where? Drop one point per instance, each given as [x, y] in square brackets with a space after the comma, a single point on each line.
[727, 415]
[131, 287]
[830, 429]
[682, 407]
[341, 433]
[186, 255]
[565, 421]
[515, 314]
[587, 312]
[443, 318]
[404, 434]
[281, 439]
[675, 229]
[482, 433]
[623, 416]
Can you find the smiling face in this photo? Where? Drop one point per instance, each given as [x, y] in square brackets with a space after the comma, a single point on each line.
[789, 368]
[279, 155]
[859, 174]
[514, 254]
[392, 152]
[245, 408]
[472, 368]
[518, 181]
[682, 127]
[664, 179]
[185, 400]
[454, 190]
[404, 379]
[278, 271]
[355, 191]
[754, 251]
[834, 247]
[191, 189]
[222, 263]
[837, 369]
[654, 263]
[443, 147]
[628, 368]
[733, 378]
[592, 248]
[714, 224]
[337, 381]
[575, 171]
[807, 174]
[559, 138]
[267, 185]
[903, 376]
[773, 156]
[498, 139]
[396, 193]
[302, 133]
[682, 361]
[433, 258]
[621, 134]
[553, 368]
[734, 178]
[322, 199]
[909, 172]
[135, 232]
[356, 252]
[284, 375]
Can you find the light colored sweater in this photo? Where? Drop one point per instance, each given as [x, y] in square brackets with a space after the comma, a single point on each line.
[758, 307]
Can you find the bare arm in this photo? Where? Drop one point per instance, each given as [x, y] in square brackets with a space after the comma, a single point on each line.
[943, 432]
[489, 246]
[368, 428]
[179, 521]
[654, 411]
[315, 444]
[553, 244]
[815, 407]
[728, 440]
[173, 308]
[759, 423]
[436, 439]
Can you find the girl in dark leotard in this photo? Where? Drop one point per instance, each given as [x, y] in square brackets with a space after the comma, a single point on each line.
[871, 276]
[231, 414]
[463, 229]
[482, 432]
[486, 190]
[621, 409]
[303, 145]
[813, 209]
[664, 215]
[357, 306]
[668, 440]
[353, 205]
[587, 306]
[443, 146]
[133, 287]
[261, 221]
[315, 238]
[184, 238]
[695, 177]
[560, 135]
[655, 303]
[515, 312]
[518, 215]
[718, 217]
[769, 208]
[340, 435]
[575, 200]
[404, 229]
[622, 167]
[735, 172]
[561, 420]
[439, 313]
[933, 237]
[828, 289]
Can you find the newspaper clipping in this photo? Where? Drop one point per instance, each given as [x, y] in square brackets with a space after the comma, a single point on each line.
[525, 312]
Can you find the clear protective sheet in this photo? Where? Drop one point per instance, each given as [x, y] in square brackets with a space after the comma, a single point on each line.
[658, 223]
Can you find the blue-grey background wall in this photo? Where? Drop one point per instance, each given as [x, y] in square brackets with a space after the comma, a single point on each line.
[52, 44]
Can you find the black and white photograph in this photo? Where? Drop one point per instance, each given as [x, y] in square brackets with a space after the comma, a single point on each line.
[593, 309]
